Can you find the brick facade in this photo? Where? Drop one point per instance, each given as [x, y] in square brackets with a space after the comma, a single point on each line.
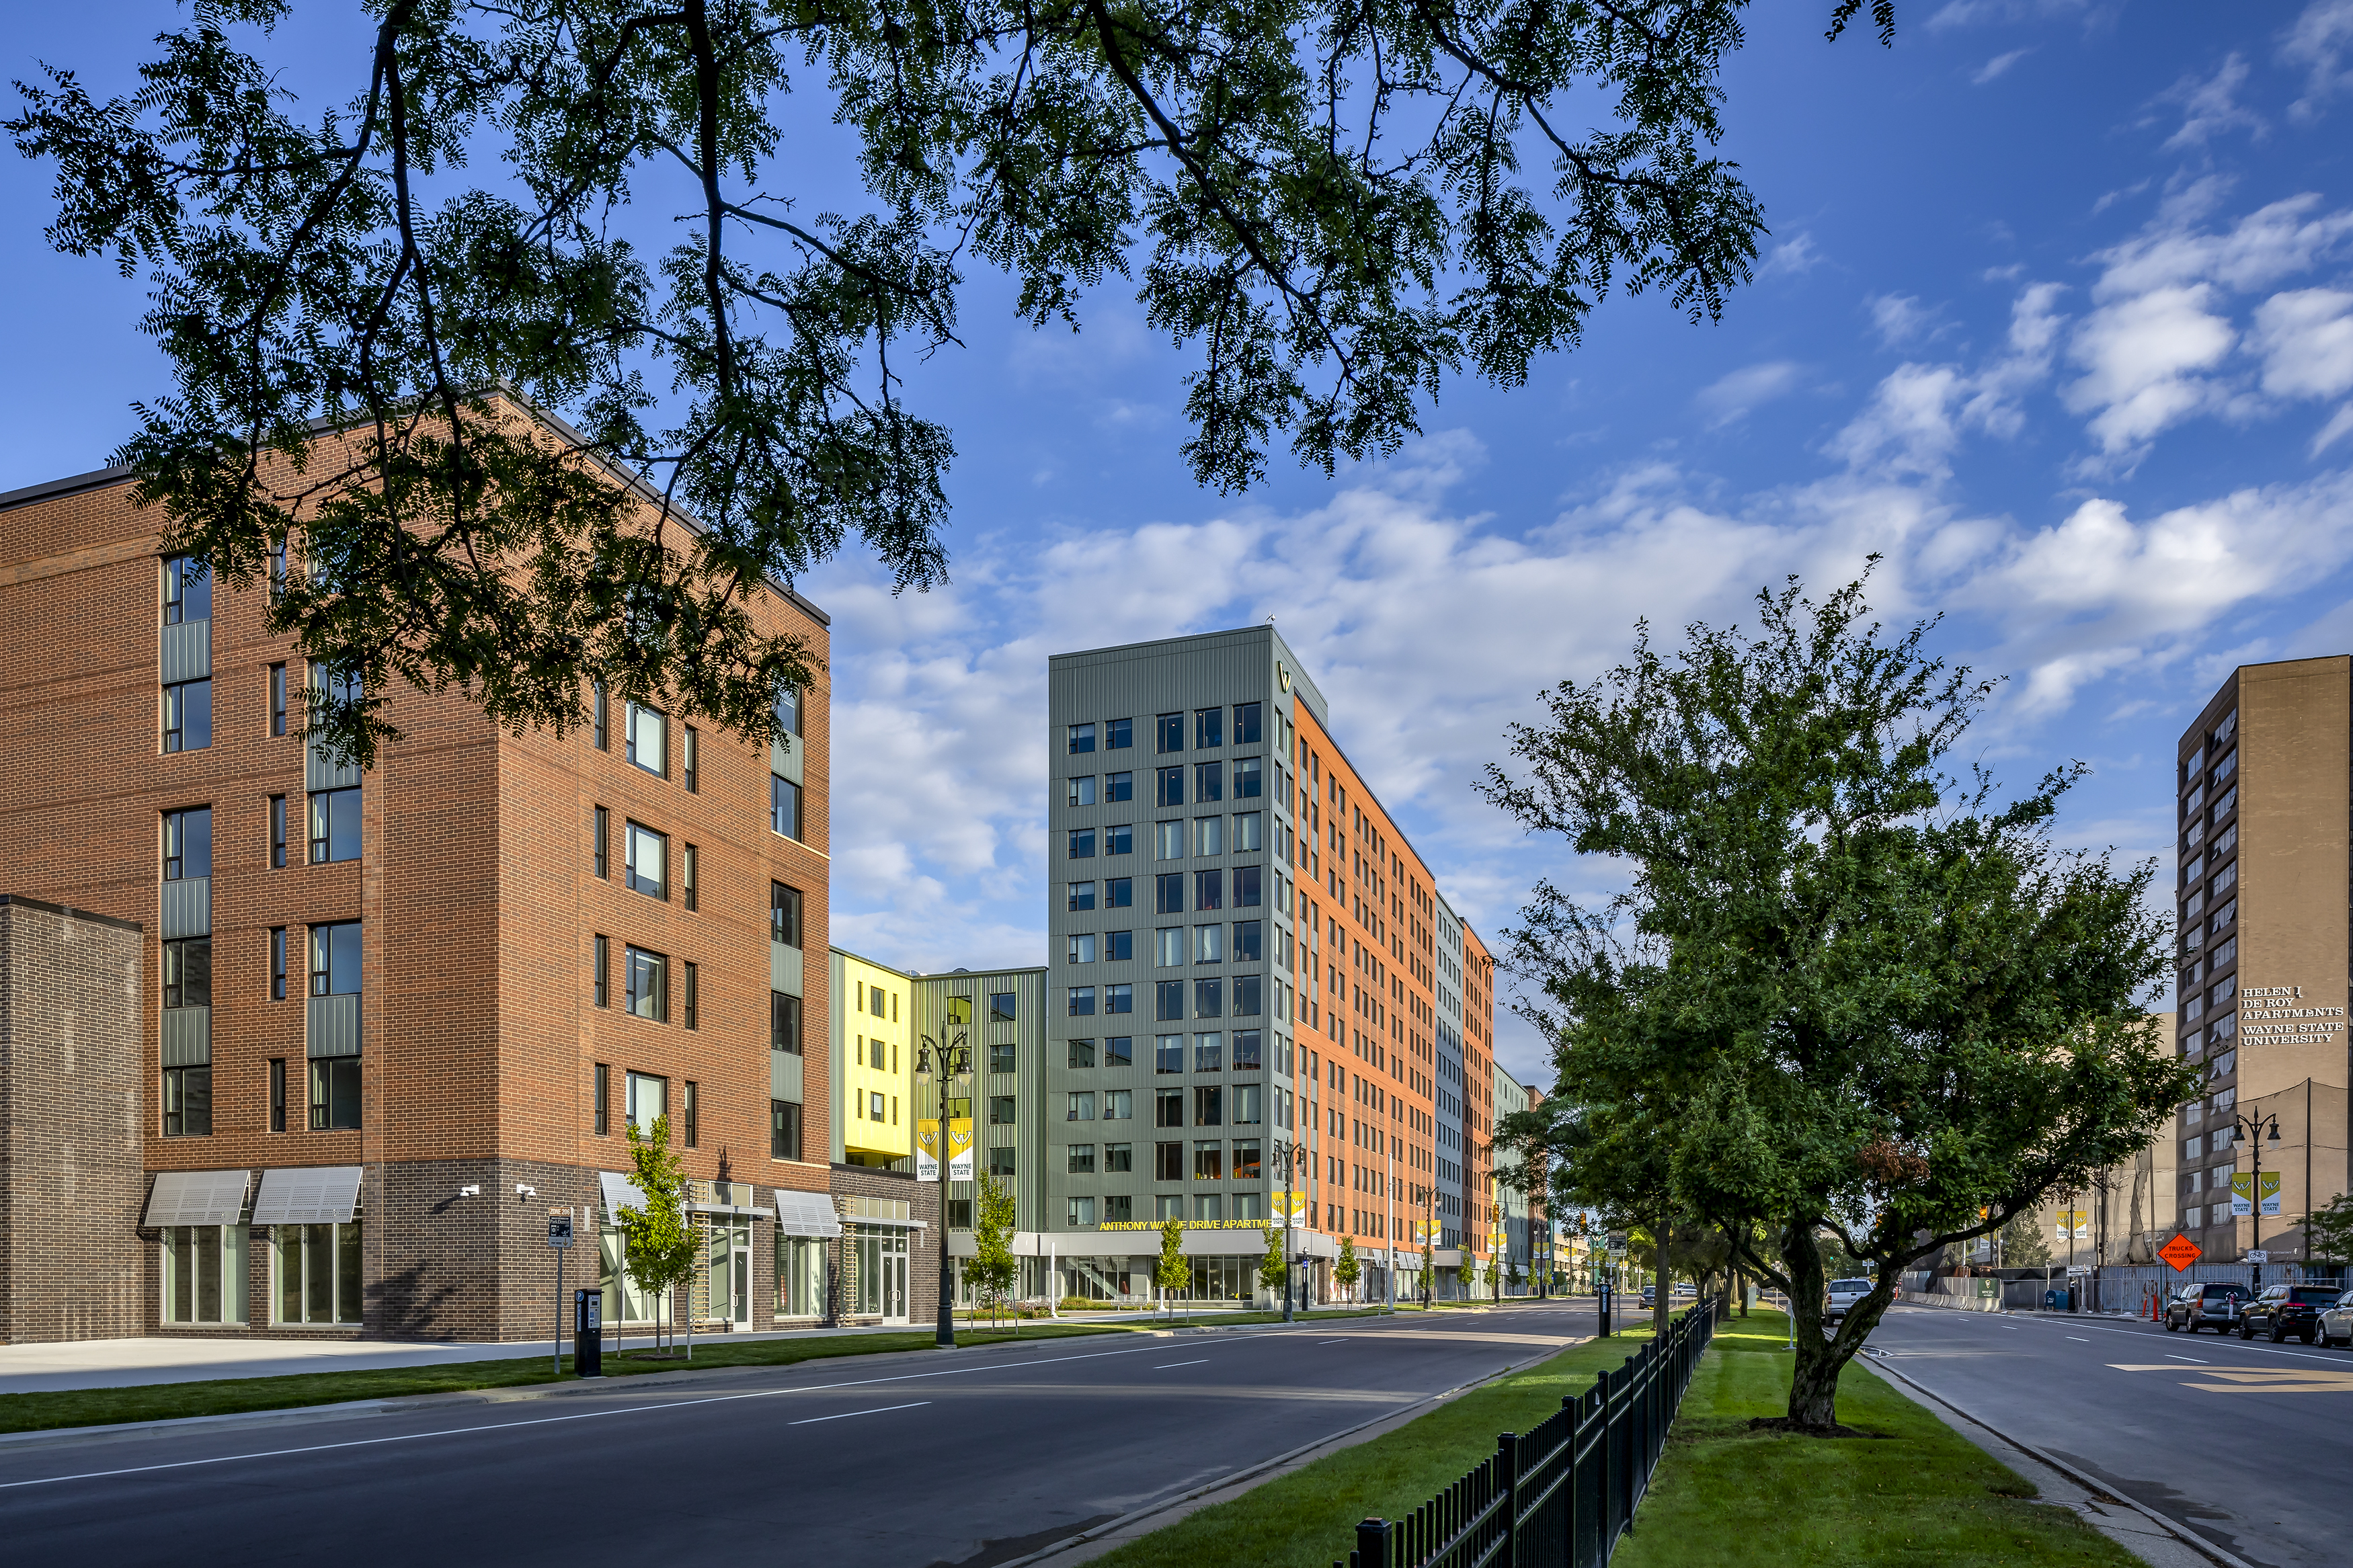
[480, 906]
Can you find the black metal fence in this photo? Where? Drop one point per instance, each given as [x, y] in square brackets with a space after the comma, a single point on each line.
[1561, 1495]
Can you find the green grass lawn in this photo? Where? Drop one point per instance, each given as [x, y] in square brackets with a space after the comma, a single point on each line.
[1307, 1519]
[226, 1396]
[1914, 1492]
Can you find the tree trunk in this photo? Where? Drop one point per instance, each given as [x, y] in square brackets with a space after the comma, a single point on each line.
[1813, 1380]
[1666, 1238]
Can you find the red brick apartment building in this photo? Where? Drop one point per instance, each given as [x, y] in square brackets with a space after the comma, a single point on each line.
[288, 1050]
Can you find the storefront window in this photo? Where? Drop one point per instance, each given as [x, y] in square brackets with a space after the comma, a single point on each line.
[800, 1276]
[204, 1274]
[318, 1273]
[626, 1301]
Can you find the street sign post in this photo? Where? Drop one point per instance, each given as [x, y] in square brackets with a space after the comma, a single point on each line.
[559, 1236]
[2181, 1252]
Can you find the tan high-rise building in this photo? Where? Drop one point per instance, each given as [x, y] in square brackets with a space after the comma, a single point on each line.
[2264, 789]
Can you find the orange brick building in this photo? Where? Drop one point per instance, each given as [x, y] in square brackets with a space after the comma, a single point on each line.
[392, 1023]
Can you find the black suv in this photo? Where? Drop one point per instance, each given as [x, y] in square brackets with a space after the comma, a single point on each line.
[2288, 1310]
[2215, 1305]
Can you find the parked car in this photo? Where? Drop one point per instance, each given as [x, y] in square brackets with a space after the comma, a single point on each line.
[1841, 1295]
[1649, 1295]
[2337, 1323]
[2287, 1311]
[2215, 1305]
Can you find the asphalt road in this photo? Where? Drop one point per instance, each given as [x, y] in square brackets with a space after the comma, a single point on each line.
[2248, 1444]
[896, 1461]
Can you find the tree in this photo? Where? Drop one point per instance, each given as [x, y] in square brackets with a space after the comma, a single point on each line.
[1171, 1273]
[993, 1268]
[1274, 1269]
[661, 1248]
[1846, 994]
[1327, 206]
[2329, 1233]
[1346, 1272]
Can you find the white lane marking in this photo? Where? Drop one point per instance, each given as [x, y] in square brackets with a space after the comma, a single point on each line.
[2079, 1339]
[2190, 1359]
[846, 1415]
[1331, 1341]
[1163, 1366]
[2144, 1333]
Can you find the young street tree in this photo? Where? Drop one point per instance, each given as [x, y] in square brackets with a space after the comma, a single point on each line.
[1346, 1272]
[661, 1246]
[1170, 1272]
[1843, 995]
[1274, 1269]
[993, 1267]
[1333, 208]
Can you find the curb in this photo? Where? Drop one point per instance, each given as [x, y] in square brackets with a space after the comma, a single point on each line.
[2098, 1488]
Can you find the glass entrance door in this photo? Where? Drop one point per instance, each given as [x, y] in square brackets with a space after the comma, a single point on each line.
[729, 1280]
[894, 1275]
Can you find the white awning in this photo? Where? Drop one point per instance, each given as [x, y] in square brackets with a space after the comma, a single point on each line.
[621, 1192]
[197, 1197]
[307, 1195]
[806, 1213]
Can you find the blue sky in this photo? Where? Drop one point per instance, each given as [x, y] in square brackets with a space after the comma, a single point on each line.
[2056, 314]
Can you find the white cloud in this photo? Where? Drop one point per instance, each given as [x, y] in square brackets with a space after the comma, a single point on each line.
[2306, 337]
[1916, 415]
[2319, 41]
[2339, 423]
[1792, 257]
[1730, 396]
[2139, 354]
[1898, 318]
[2210, 107]
[1994, 68]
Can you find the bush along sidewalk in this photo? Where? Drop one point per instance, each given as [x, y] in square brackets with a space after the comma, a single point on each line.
[1564, 1491]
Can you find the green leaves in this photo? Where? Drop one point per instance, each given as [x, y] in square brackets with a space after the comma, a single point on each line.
[516, 455]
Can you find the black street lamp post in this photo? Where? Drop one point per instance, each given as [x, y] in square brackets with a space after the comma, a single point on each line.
[2257, 1129]
[1288, 1154]
[950, 1066]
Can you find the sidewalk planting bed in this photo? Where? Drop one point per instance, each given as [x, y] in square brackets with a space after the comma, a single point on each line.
[1913, 1491]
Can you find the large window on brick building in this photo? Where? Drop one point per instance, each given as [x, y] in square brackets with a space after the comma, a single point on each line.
[784, 1023]
[784, 914]
[784, 1129]
[204, 1274]
[334, 825]
[317, 1269]
[333, 1027]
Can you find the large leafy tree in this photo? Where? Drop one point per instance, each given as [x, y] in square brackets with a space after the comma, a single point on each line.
[1843, 994]
[1334, 206]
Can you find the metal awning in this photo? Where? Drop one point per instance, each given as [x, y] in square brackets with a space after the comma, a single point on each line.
[197, 1197]
[621, 1192]
[307, 1195]
[806, 1213]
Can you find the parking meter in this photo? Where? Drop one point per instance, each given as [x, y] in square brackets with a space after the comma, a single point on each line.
[588, 1333]
[1602, 1301]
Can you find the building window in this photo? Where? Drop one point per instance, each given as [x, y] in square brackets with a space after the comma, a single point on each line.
[1119, 840]
[789, 710]
[278, 700]
[645, 977]
[188, 1103]
[1118, 787]
[1248, 779]
[1081, 947]
[1081, 739]
[1169, 1107]
[686, 878]
[277, 567]
[646, 739]
[1119, 1208]
[784, 1129]
[1209, 944]
[278, 964]
[1246, 723]
[1249, 1098]
[1168, 893]
[646, 866]
[1208, 1054]
[690, 1110]
[188, 973]
[1248, 882]
[647, 1101]
[187, 591]
[1081, 1162]
[1001, 1110]
[1119, 1051]
[1247, 988]
[1209, 888]
[336, 1094]
[603, 1099]
[1083, 1001]
[1119, 1159]
[784, 1023]
[1120, 999]
[189, 716]
[1169, 1053]
[1119, 734]
[1246, 1051]
[1249, 941]
[1082, 1106]
[1003, 1005]
[318, 1269]
[1208, 836]
[600, 840]
[278, 1094]
[187, 843]
[1169, 947]
[1170, 787]
[1208, 783]
[602, 967]
[597, 730]
[1119, 893]
[1082, 844]
[1247, 1167]
[1004, 1055]
[1083, 1210]
[689, 757]
[334, 825]
[1119, 946]
[1210, 1165]
[784, 807]
[1001, 1160]
[1208, 724]
[1082, 1053]
[277, 832]
[1168, 1000]
[1171, 731]
[1168, 1166]
[335, 958]
[691, 1022]
[1081, 896]
[1246, 832]
[784, 914]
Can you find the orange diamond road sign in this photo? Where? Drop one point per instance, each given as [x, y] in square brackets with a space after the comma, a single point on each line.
[2181, 1252]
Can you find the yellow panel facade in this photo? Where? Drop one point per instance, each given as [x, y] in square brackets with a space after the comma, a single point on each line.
[876, 1114]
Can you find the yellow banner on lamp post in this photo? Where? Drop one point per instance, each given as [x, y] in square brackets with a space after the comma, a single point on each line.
[927, 1150]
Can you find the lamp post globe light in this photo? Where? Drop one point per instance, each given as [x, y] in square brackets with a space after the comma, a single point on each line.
[948, 1068]
[2258, 1129]
[1287, 1154]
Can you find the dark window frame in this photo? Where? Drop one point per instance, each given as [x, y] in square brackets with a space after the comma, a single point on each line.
[278, 1094]
[601, 1100]
[278, 700]
[278, 833]
[785, 907]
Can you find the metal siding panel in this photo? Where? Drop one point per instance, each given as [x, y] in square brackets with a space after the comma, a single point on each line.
[333, 1027]
[187, 651]
[187, 1037]
[197, 1197]
[785, 975]
[786, 1080]
[786, 761]
[187, 908]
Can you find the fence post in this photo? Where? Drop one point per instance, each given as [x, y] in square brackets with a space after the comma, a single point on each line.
[1372, 1544]
[1507, 1486]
